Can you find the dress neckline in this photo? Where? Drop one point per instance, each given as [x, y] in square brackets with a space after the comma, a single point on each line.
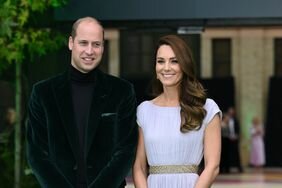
[153, 104]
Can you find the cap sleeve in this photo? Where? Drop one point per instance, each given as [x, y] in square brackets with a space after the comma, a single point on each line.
[140, 115]
[212, 110]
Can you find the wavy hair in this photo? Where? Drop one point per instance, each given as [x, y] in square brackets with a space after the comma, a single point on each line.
[192, 95]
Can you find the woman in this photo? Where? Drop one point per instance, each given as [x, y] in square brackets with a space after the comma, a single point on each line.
[178, 126]
[257, 159]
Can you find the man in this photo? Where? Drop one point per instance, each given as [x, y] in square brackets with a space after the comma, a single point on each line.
[81, 128]
[225, 145]
[234, 136]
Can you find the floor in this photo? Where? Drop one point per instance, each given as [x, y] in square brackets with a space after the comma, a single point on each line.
[267, 178]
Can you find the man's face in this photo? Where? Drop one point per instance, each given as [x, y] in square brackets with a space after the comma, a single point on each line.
[87, 47]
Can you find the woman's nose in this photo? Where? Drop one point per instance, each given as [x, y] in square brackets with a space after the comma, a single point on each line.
[167, 66]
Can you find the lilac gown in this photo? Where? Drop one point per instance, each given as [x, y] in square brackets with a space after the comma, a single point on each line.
[257, 147]
[166, 145]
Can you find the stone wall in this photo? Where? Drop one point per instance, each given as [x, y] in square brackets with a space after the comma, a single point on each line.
[252, 66]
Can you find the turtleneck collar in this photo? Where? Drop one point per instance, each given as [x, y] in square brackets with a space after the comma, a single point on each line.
[80, 77]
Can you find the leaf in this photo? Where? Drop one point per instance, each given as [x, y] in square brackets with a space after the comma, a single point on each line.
[23, 17]
[6, 29]
[19, 34]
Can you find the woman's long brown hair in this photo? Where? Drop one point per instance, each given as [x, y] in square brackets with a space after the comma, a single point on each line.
[192, 95]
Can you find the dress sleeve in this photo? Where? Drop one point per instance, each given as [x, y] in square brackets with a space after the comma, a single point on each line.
[140, 115]
[212, 110]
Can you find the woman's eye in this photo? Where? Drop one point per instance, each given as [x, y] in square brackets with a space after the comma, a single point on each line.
[174, 61]
[160, 61]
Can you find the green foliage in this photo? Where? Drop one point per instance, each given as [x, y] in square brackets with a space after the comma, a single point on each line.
[23, 36]
[7, 164]
[41, 5]
[19, 34]
[6, 161]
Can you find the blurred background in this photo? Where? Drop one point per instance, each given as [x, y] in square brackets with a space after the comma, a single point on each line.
[237, 47]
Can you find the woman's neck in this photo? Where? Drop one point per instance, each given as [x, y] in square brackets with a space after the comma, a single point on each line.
[170, 97]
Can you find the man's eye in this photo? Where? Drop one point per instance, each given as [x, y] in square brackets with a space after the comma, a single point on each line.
[83, 43]
[97, 44]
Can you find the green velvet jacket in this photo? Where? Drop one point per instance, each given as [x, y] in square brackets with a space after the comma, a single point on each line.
[111, 133]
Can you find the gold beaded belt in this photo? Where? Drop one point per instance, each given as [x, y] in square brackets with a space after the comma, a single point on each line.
[173, 169]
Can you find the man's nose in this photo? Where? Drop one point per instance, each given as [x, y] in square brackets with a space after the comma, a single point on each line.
[89, 49]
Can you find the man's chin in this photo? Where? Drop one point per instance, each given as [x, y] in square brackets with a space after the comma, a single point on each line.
[87, 69]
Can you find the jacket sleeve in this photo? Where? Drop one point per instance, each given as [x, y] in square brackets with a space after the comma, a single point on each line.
[114, 173]
[38, 157]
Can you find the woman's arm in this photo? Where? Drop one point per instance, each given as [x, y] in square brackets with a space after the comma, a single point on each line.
[140, 170]
[212, 149]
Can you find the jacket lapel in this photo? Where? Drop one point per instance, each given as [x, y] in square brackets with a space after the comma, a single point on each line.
[62, 92]
[100, 94]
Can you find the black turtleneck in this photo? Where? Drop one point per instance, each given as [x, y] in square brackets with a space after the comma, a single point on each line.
[82, 85]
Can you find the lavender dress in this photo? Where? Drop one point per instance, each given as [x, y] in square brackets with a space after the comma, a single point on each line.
[166, 145]
[257, 146]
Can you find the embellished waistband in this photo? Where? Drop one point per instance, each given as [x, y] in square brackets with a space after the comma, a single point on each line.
[173, 169]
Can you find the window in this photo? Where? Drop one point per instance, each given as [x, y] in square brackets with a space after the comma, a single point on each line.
[221, 57]
[278, 56]
[138, 48]
[137, 54]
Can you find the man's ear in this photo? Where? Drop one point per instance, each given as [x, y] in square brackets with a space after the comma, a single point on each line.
[70, 42]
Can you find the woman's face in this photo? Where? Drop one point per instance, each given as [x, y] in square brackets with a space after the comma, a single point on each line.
[167, 67]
